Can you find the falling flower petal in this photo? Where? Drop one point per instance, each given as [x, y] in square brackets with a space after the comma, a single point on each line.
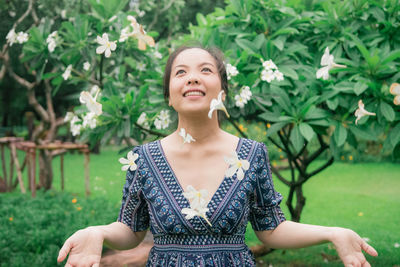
[361, 112]
[217, 104]
[129, 163]
[187, 138]
[395, 90]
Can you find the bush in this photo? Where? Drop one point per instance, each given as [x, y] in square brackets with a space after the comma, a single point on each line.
[32, 230]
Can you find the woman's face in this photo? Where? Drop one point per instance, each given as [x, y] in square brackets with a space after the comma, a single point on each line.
[194, 81]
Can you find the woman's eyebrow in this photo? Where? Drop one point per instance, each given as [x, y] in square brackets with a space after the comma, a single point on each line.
[201, 64]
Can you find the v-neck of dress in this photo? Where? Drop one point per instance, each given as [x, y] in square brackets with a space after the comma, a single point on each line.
[181, 190]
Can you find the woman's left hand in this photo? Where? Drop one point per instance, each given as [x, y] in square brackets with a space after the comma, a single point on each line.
[349, 246]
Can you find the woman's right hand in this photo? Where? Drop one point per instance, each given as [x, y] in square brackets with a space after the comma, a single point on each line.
[84, 248]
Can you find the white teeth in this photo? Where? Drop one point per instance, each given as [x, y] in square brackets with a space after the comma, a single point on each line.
[193, 93]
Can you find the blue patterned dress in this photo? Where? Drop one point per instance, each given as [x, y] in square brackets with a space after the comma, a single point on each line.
[152, 196]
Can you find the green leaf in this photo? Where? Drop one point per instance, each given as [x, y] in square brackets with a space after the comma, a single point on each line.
[201, 20]
[289, 72]
[362, 133]
[340, 134]
[395, 135]
[391, 57]
[360, 87]
[246, 45]
[296, 138]
[275, 128]
[307, 131]
[259, 41]
[387, 111]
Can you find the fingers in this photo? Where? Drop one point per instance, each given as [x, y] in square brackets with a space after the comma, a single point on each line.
[366, 264]
[369, 249]
[96, 265]
[64, 251]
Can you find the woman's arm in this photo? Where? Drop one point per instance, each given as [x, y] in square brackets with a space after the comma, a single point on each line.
[349, 245]
[85, 246]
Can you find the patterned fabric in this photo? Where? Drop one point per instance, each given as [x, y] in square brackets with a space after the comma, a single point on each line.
[152, 196]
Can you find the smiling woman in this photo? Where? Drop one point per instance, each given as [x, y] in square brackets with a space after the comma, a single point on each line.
[198, 187]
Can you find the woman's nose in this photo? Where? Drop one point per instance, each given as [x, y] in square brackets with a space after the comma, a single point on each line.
[192, 80]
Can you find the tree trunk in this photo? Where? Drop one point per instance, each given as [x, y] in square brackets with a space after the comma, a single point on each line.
[45, 169]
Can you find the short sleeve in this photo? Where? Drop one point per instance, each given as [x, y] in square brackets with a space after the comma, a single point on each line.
[265, 212]
[134, 211]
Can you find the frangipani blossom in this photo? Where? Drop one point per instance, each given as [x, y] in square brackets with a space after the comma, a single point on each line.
[240, 101]
[187, 138]
[105, 45]
[246, 93]
[142, 120]
[92, 105]
[67, 72]
[129, 163]
[395, 90]
[198, 204]
[396, 245]
[162, 120]
[217, 104]
[68, 117]
[140, 34]
[327, 61]
[278, 75]
[269, 65]
[361, 112]
[52, 41]
[89, 120]
[236, 166]
[76, 129]
[22, 37]
[86, 66]
[11, 37]
[231, 71]
[267, 75]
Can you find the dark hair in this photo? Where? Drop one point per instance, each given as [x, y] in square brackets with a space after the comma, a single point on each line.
[213, 51]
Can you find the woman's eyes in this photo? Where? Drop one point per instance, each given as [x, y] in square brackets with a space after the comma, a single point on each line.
[205, 69]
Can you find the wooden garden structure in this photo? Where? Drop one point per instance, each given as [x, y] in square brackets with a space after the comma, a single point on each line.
[7, 181]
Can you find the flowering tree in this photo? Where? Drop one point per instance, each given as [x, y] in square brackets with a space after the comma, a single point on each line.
[282, 73]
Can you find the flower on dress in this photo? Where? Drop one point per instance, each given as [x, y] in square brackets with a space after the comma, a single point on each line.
[162, 120]
[67, 72]
[86, 66]
[217, 104]
[105, 45]
[187, 138]
[236, 165]
[327, 61]
[231, 71]
[395, 90]
[198, 204]
[129, 163]
[361, 112]
[92, 105]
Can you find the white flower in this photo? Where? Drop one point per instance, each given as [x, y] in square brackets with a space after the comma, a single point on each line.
[361, 112]
[236, 166]
[11, 37]
[246, 93]
[105, 45]
[142, 120]
[92, 105]
[51, 41]
[67, 72]
[327, 61]
[63, 14]
[157, 55]
[74, 120]
[187, 138]
[95, 91]
[86, 66]
[395, 90]
[231, 71]
[269, 65]
[162, 120]
[267, 75]
[76, 129]
[112, 18]
[198, 204]
[278, 75]
[396, 245]
[89, 120]
[141, 66]
[125, 33]
[22, 37]
[240, 101]
[130, 162]
[140, 34]
[69, 116]
[217, 104]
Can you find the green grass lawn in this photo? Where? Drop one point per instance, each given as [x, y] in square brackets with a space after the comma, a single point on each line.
[364, 197]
